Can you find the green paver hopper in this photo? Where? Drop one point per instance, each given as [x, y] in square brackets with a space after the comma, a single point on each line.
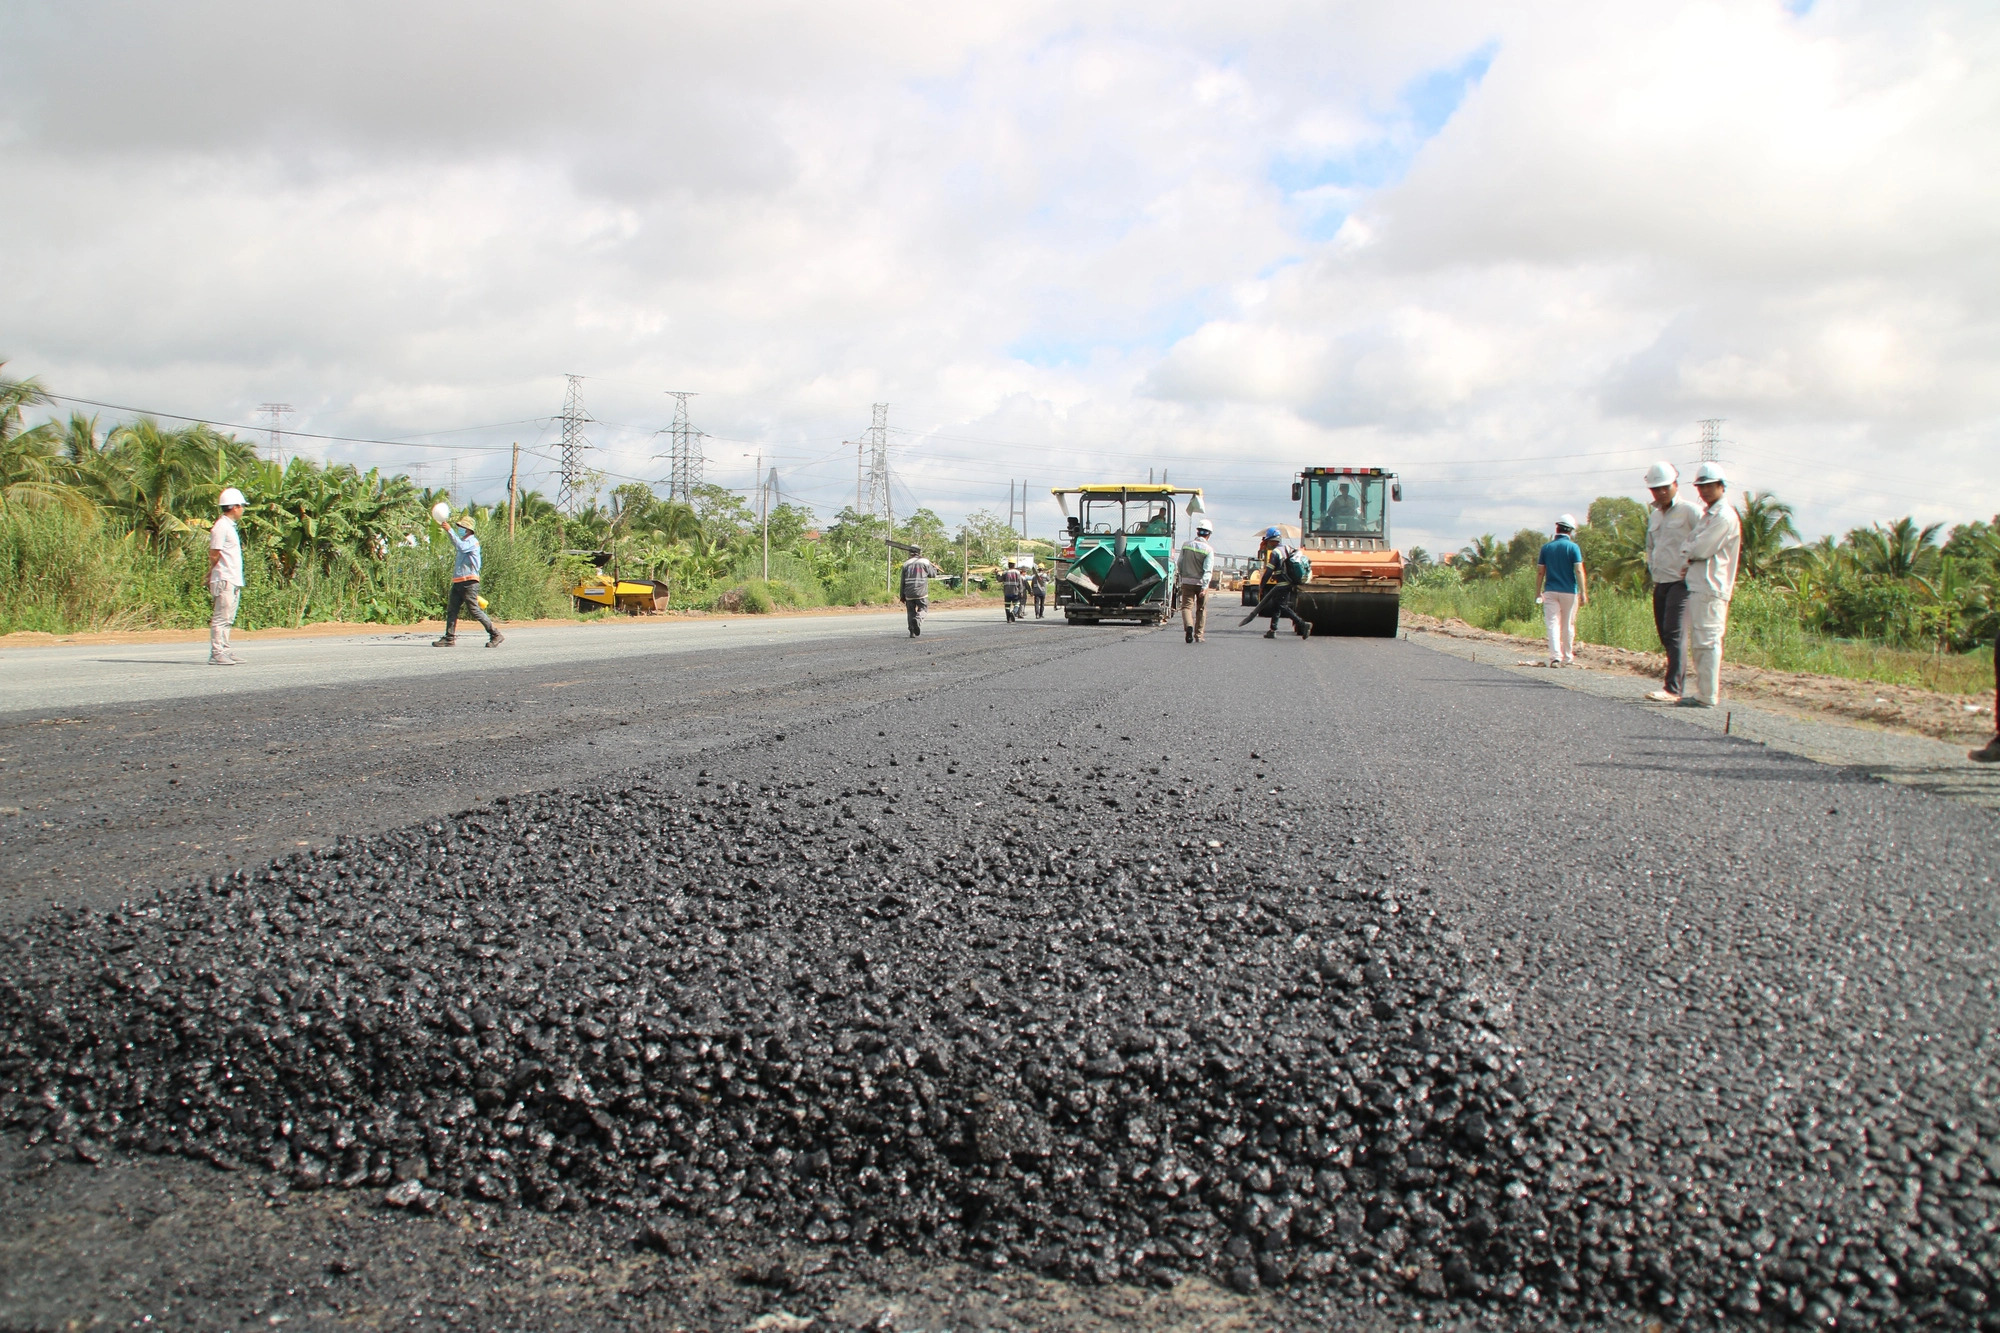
[1119, 562]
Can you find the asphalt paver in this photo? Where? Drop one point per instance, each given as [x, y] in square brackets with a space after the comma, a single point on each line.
[1271, 983]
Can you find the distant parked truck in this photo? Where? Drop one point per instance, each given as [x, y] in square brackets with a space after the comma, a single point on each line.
[1118, 563]
[1357, 574]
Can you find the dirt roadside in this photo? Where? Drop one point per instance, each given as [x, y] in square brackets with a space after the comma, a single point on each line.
[1959, 718]
[333, 628]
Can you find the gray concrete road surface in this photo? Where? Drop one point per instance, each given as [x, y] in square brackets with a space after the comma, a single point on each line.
[1716, 961]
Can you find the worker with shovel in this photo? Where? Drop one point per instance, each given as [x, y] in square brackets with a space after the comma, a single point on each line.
[1282, 577]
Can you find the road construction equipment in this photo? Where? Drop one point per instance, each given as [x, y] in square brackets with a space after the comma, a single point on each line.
[1119, 561]
[607, 591]
[1357, 575]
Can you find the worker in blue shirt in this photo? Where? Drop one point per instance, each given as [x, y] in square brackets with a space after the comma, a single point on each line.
[1561, 586]
[464, 585]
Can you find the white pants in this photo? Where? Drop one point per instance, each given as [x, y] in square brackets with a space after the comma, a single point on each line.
[1559, 611]
[1707, 622]
[223, 597]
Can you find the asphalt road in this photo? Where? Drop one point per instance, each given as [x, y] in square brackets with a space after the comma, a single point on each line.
[122, 769]
[1750, 999]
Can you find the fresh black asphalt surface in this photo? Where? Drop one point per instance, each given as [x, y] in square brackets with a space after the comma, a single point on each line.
[1017, 976]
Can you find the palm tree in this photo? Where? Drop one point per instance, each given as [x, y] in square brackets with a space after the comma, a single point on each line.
[1898, 550]
[164, 476]
[1767, 523]
[1480, 559]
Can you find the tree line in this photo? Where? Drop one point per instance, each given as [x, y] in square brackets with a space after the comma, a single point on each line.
[106, 525]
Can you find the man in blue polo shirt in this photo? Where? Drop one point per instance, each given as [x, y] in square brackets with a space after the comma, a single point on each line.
[1561, 587]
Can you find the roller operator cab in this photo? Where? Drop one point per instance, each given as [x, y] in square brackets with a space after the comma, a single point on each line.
[1118, 559]
[1357, 573]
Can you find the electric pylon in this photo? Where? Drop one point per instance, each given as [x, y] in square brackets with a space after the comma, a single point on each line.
[573, 445]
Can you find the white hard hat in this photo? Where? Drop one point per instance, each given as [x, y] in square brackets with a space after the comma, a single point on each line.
[230, 496]
[1565, 522]
[1710, 472]
[1661, 474]
[1203, 529]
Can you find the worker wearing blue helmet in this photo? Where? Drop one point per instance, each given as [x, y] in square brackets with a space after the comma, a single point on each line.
[1281, 585]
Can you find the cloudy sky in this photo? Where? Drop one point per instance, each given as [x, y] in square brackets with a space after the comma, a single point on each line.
[1512, 251]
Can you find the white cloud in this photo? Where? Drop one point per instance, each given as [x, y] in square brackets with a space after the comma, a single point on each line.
[1094, 233]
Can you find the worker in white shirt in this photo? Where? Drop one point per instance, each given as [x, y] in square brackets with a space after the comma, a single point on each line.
[1714, 552]
[1670, 524]
[225, 576]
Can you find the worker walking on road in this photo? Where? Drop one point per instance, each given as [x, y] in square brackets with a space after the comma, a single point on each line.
[1039, 586]
[225, 576]
[1013, 591]
[917, 575]
[1670, 525]
[1713, 553]
[1197, 561]
[1281, 585]
[464, 585]
[1561, 586]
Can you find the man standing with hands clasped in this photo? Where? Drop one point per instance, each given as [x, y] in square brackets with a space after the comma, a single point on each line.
[225, 576]
[1670, 524]
[1713, 552]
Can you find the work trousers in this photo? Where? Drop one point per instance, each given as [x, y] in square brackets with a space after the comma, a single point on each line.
[1014, 608]
[222, 599]
[465, 598]
[1284, 602]
[1194, 609]
[1707, 623]
[1559, 614]
[1041, 600]
[914, 608]
[1670, 622]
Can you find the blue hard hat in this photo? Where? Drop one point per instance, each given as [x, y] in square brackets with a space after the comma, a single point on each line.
[1273, 533]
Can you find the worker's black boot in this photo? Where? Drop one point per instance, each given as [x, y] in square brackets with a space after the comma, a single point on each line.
[1188, 630]
[446, 642]
[1271, 633]
[495, 639]
[1988, 753]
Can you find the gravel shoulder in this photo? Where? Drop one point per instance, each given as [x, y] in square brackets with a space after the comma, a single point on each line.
[1846, 736]
[1965, 720]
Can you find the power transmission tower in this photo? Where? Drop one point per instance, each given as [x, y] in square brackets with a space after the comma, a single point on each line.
[1711, 439]
[573, 445]
[276, 412]
[683, 452]
[879, 502]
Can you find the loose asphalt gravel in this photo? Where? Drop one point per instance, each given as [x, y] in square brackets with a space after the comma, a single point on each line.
[1274, 983]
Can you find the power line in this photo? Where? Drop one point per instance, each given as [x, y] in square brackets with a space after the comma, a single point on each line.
[406, 442]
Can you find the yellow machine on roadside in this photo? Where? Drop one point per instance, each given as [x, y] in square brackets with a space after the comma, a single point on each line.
[602, 591]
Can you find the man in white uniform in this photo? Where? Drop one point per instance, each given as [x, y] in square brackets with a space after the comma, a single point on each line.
[1713, 554]
[225, 576]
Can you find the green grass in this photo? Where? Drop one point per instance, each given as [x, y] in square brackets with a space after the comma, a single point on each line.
[1764, 631]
